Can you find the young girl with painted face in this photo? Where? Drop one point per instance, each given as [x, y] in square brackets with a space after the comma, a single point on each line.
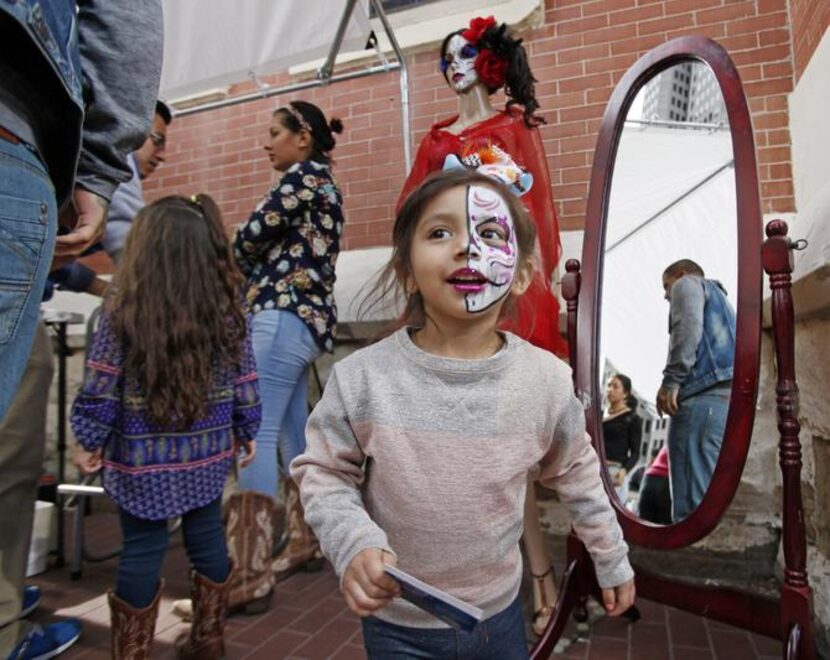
[419, 451]
[476, 62]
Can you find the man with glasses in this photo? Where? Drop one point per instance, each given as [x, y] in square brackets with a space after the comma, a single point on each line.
[129, 197]
[127, 201]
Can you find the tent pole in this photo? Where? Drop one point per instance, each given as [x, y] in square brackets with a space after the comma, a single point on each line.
[407, 136]
[324, 77]
[285, 89]
[326, 70]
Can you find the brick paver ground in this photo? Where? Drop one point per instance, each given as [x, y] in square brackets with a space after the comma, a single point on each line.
[309, 619]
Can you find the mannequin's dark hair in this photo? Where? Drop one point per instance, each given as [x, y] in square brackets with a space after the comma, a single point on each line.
[519, 84]
[322, 130]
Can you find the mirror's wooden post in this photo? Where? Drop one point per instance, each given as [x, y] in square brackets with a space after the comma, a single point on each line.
[571, 282]
[796, 595]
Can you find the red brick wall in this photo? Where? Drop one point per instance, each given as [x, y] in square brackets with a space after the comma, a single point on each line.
[578, 54]
[809, 20]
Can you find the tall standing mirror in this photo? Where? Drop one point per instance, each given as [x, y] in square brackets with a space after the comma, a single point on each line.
[672, 200]
[674, 178]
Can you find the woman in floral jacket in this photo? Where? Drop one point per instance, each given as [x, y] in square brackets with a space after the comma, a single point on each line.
[287, 249]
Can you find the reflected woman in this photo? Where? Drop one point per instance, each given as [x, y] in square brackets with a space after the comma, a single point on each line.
[622, 430]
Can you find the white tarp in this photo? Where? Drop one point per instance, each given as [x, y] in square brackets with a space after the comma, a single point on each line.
[212, 43]
[656, 166]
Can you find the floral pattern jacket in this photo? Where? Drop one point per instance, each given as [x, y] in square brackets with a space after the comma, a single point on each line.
[288, 248]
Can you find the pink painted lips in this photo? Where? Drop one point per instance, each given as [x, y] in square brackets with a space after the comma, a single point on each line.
[468, 280]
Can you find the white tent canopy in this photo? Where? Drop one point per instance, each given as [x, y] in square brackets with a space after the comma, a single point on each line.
[212, 43]
[672, 197]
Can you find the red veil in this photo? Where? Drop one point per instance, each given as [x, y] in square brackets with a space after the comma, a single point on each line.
[537, 318]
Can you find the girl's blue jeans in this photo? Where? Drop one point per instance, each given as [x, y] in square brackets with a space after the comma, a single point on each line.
[283, 348]
[145, 542]
[501, 637]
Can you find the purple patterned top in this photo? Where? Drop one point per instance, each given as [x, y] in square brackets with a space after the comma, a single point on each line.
[155, 472]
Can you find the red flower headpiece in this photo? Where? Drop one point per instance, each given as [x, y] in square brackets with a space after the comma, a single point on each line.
[491, 68]
[478, 26]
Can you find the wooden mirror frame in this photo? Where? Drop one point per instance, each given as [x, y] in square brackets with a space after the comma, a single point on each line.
[789, 616]
[741, 414]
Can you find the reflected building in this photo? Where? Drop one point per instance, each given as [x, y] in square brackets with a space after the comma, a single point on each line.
[687, 92]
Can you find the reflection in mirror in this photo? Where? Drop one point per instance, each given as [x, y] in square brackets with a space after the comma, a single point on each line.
[672, 199]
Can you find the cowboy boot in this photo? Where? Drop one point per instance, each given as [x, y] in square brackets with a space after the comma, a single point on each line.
[303, 550]
[206, 640]
[132, 628]
[249, 528]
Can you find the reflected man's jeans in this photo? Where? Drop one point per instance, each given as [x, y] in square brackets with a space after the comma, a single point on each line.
[501, 637]
[283, 349]
[28, 223]
[695, 438]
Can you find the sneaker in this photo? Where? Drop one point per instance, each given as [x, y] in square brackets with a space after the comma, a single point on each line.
[31, 599]
[42, 642]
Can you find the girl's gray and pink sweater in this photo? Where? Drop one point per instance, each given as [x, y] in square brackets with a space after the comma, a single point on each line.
[428, 457]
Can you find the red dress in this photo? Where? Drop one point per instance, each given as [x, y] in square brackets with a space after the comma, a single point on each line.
[537, 318]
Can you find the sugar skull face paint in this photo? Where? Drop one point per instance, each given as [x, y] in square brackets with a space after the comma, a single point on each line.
[460, 59]
[492, 253]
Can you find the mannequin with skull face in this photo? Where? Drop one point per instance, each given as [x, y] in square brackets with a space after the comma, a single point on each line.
[476, 63]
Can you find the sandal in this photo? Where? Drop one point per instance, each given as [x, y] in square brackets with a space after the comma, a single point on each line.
[543, 609]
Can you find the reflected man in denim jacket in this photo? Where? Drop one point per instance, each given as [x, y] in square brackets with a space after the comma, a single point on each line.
[697, 380]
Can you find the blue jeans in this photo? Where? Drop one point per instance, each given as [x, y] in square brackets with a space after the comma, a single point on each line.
[283, 349]
[501, 637]
[28, 224]
[145, 542]
[695, 438]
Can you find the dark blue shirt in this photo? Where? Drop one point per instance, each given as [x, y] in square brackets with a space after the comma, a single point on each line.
[288, 248]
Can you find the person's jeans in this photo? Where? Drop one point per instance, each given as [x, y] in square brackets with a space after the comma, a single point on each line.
[695, 438]
[28, 224]
[22, 446]
[145, 542]
[283, 349]
[501, 637]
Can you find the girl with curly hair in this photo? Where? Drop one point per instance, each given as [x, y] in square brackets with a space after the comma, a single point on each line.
[171, 395]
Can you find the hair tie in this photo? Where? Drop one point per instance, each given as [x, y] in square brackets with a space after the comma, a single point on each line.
[194, 201]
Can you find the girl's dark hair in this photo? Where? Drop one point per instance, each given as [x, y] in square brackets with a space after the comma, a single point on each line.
[520, 85]
[176, 306]
[390, 283]
[630, 399]
[322, 130]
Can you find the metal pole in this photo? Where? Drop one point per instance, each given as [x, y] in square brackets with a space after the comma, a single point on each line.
[63, 351]
[407, 137]
[325, 71]
[276, 91]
